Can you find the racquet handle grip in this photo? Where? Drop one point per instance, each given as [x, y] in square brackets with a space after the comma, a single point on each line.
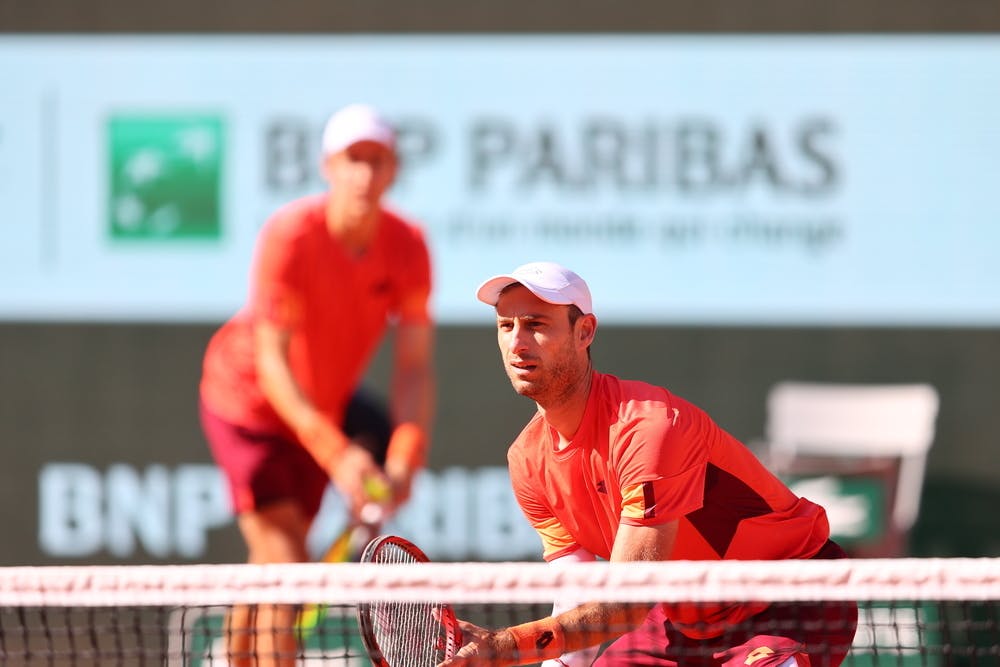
[379, 493]
[372, 514]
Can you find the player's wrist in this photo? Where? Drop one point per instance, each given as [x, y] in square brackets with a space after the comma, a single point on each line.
[322, 439]
[407, 449]
[538, 640]
[504, 645]
[399, 472]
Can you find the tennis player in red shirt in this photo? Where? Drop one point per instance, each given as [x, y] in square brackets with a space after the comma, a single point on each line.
[625, 471]
[280, 401]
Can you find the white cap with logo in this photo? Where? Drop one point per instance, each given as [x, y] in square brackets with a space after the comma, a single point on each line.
[548, 281]
[355, 123]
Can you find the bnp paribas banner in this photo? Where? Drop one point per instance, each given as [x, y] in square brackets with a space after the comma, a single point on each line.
[691, 179]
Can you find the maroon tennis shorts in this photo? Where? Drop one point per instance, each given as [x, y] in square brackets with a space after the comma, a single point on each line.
[826, 629]
[265, 467]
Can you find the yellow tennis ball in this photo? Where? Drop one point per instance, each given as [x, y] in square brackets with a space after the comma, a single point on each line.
[376, 489]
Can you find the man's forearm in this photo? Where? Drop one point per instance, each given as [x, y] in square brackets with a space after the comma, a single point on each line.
[587, 625]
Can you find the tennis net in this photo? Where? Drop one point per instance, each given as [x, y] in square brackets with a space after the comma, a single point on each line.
[912, 612]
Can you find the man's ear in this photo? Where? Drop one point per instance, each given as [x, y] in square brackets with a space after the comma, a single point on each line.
[324, 168]
[586, 329]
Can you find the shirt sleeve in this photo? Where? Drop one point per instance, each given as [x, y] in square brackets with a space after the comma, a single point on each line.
[413, 306]
[661, 462]
[275, 295]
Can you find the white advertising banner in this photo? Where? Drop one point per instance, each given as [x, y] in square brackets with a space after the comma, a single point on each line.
[788, 180]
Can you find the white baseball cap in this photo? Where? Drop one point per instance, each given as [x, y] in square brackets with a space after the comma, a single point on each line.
[548, 281]
[355, 123]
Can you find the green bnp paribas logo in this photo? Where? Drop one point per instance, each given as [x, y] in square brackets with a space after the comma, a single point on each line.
[166, 177]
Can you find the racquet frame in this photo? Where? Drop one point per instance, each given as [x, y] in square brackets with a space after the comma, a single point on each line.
[445, 614]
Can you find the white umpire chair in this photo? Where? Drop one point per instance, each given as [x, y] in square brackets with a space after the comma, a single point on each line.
[856, 421]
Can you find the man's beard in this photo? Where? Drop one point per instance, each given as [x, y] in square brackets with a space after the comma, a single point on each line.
[559, 379]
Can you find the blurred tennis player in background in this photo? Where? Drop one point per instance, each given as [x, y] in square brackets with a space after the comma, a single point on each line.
[281, 404]
[627, 471]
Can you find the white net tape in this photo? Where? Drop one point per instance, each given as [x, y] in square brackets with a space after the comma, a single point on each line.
[856, 579]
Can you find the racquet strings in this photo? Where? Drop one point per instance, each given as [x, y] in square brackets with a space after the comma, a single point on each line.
[408, 634]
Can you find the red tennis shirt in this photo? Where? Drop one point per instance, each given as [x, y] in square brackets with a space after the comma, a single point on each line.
[642, 457]
[336, 304]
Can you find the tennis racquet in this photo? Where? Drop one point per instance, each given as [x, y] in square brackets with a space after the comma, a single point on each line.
[344, 549]
[405, 634]
[347, 547]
